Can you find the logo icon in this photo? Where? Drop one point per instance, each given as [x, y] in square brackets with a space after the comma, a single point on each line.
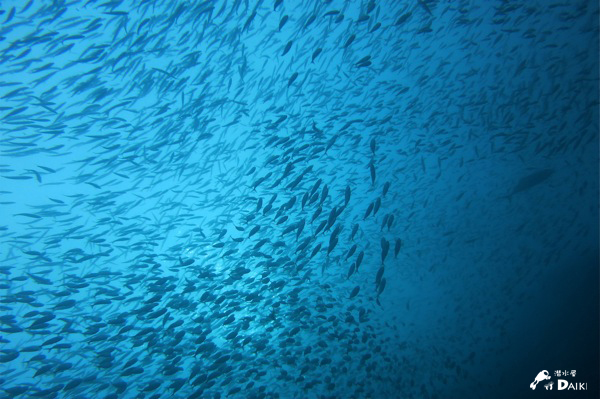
[561, 385]
[542, 375]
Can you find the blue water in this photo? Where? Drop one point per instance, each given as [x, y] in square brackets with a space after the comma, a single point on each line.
[188, 187]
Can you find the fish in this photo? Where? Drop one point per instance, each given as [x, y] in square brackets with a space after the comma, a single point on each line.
[385, 222]
[309, 21]
[351, 271]
[370, 6]
[249, 21]
[363, 61]
[292, 78]
[253, 231]
[528, 182]
[351, 251]
[347, 194]
[397, 247]
[349, 41]
[372, 171]
[359, 259]
[315, 54]
[316, 214]
[354, 231]
[283, 21]
[379, 277]
[369, 210]
[386, 188]
[376, 205]
[385, 248]
[424, 5]
[403, 18]
[287, 48]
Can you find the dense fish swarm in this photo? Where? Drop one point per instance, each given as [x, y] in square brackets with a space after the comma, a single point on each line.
[253, 199]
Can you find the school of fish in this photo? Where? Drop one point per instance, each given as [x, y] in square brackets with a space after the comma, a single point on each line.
[252, 199]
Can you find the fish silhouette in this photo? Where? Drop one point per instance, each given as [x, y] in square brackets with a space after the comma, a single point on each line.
[530, 181]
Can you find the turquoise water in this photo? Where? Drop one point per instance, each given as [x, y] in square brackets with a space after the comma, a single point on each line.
[297, 199]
